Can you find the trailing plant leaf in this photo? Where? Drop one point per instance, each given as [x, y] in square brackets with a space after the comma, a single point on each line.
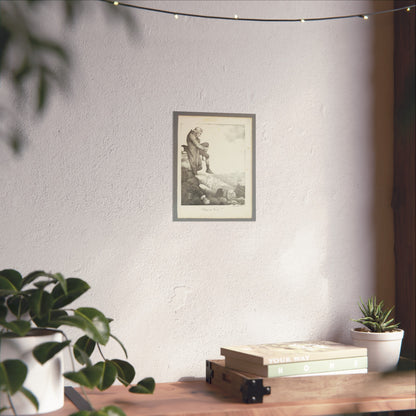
[45, 351]
[98, 328]
[75, 288]
[145, 386]
[18, 327]
[125, 371]
[108, 374]
[88, 376]
[91, 321]
[12, 375]
[83, 349]
[28, 394]
[105, 411]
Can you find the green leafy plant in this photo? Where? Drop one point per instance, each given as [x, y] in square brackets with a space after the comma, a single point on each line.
[41, 300]
[375, 317]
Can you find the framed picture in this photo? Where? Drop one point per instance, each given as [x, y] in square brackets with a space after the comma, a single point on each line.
[214, 167]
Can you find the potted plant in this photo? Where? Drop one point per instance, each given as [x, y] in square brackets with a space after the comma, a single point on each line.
[380, 335]
[34, 310]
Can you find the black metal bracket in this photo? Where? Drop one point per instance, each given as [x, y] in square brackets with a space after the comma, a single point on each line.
[253, 391]
[77, 399]
[209, 372]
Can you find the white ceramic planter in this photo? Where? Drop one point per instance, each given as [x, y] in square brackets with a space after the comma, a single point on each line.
[383, 348]
[44, 381]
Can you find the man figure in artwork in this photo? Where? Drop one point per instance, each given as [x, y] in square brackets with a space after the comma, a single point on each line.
[197, 151]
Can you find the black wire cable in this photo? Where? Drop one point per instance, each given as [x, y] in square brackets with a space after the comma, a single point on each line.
[247, 19]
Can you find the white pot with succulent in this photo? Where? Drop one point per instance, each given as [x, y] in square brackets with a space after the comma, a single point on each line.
[380, 335]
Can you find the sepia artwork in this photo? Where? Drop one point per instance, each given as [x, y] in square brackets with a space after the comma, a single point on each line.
[214, 159]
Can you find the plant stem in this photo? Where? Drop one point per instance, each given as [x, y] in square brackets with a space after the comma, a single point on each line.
[101, 353]
[11, 404]
[73, 369]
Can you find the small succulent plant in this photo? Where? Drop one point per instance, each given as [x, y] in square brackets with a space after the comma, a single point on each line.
[375, 318]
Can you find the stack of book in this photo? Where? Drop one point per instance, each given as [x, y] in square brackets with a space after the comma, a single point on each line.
[296, 359]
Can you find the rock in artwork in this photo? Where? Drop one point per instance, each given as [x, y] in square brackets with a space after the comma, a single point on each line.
[206, 176]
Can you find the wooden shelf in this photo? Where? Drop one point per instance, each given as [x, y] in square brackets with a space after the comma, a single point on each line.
[297, 396]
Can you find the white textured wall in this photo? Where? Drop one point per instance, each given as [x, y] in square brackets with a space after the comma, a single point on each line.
[92, 194]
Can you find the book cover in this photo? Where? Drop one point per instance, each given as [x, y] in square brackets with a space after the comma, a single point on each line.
[267, 354]
[298, 368]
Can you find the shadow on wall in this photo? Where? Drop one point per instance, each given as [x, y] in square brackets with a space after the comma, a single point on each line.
[382, 142]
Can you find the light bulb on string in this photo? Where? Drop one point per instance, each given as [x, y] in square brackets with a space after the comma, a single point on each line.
[116, 3]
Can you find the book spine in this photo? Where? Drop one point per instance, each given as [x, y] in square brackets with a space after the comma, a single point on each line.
[309, 367]
[313, 367]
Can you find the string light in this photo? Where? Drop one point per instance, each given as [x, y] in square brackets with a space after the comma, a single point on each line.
[249, 19]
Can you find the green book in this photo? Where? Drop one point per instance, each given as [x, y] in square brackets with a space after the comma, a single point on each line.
[337, 365]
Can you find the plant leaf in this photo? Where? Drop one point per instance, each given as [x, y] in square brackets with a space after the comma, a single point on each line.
[18, 327]
[98, 328]
[75, 288]
[6, 287]
[13, 276]
[105, 411]
[110, 411]
[108, 374]
[83, 349]
[18, 305]
[125, 371]
[31, 277]
[30, 396]
[45, 351]
[55, 316]
[145, 386]
[88, 376]
[3, 312]
[12, 375]
[40, 304]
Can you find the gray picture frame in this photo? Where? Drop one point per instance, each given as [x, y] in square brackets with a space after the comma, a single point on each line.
[214, 166]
